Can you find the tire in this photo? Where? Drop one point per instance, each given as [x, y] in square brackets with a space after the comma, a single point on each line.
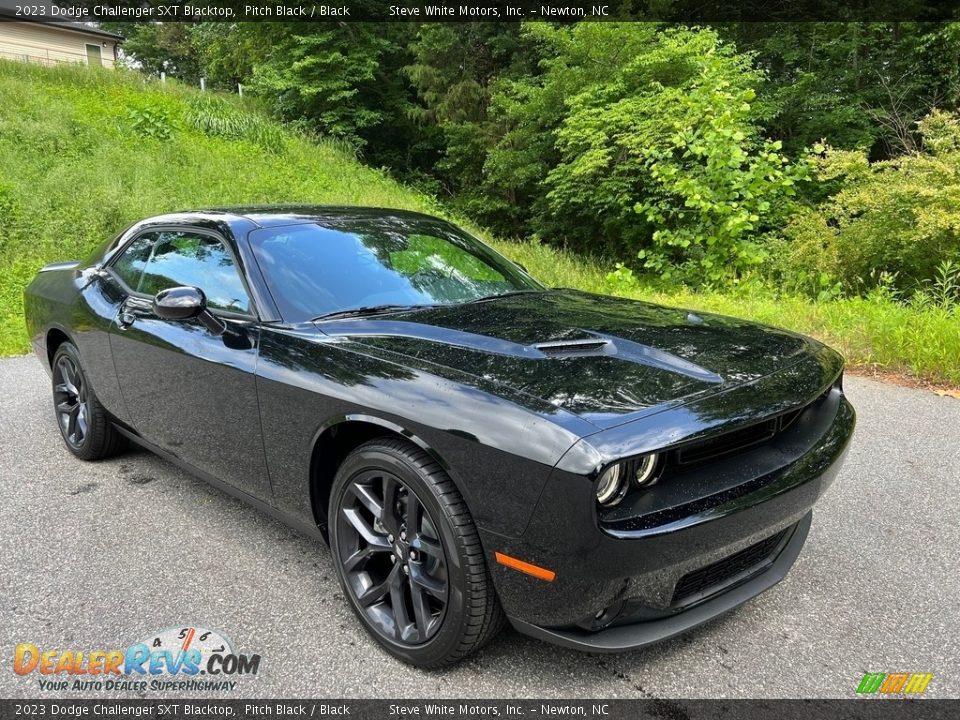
[381, 566]
[84, 424]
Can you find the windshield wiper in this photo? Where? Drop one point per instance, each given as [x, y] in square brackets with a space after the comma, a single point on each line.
[485, 298]
[367, 310]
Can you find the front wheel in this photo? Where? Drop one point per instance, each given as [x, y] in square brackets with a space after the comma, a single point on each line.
[408, 556]
[83, 422]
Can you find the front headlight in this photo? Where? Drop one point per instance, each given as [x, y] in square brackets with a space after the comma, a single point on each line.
[613, 483]
[645, 469]
[611, 486]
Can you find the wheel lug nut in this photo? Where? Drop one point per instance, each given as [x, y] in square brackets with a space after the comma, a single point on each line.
[403, 534]
[393, 559]
[406, 570]
[413, 554]
[389, 538]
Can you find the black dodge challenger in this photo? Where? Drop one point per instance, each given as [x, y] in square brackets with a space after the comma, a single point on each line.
[477, 448]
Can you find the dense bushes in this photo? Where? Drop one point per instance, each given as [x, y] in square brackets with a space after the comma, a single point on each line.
[893, 222]
[75, 167]
[688, 155]
[629, 140]
[667, 150]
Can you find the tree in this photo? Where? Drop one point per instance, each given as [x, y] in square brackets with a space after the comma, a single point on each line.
[645, 142]
[859, 85]
[161, 47]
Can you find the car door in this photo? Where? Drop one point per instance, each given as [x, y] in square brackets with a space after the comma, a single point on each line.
[188, 390]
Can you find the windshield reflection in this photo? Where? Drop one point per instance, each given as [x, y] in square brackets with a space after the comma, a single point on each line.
[348, 263]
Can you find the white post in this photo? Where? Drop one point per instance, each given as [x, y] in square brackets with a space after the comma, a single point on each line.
[163, 76]
[203, 84]
[240, 89]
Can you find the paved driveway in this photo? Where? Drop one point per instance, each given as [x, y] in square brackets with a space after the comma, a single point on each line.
[98, 556]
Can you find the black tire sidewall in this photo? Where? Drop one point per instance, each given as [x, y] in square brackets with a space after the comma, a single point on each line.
[449, 636]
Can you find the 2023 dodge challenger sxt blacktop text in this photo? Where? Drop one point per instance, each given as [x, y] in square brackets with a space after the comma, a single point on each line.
[477, 448]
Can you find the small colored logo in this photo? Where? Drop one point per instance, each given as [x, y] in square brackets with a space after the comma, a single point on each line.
[171, 659]
[894, 683]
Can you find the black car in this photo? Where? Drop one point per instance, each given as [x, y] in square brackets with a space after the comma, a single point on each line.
[477, 448]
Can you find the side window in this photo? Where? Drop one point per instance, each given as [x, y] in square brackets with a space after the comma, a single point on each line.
[131, 262]
[183, 258]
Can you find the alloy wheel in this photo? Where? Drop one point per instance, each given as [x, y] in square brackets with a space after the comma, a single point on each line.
[71, 401]
[392, 558]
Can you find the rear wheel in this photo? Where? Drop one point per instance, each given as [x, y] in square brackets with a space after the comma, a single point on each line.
[408, 555]
[83, 422]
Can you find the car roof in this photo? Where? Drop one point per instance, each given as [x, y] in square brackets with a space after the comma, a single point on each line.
[279, 215]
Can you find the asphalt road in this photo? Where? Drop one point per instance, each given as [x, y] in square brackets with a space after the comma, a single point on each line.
[98, 556]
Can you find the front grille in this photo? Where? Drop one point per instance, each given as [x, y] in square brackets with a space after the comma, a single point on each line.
[728, 443]
[739, 440]
[700, 581]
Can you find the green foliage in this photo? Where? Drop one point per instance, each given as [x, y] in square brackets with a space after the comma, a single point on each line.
[329, 73]
[859, 85]
[942, 292]
[161, 47]
[622, 279]
[150, 122]
[895, 219]
[74, 171]
[455, 70]
[681, 152]
[650, 146]
[716, 194]
[66, 133]
[211, 115]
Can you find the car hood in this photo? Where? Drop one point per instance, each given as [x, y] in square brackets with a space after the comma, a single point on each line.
[602, 358]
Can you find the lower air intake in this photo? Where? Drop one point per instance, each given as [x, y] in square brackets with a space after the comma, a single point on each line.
[715, 576]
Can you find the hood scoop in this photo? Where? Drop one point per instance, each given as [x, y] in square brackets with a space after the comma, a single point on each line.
[593, 345]
[588, 346]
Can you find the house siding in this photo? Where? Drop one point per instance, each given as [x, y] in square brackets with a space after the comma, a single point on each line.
[50, 45]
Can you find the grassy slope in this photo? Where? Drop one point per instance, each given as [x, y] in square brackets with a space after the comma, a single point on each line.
[73, 171]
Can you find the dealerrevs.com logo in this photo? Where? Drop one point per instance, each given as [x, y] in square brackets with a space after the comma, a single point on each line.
[188, 658]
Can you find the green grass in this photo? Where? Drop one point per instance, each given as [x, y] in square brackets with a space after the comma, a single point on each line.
[85, 153]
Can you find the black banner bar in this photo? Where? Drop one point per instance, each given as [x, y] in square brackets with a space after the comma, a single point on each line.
[176, 709]
[674, 11]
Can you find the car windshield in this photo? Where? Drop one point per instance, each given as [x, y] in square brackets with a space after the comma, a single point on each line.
[361, 264]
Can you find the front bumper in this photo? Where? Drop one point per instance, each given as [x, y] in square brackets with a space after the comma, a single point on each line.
[626, 584]
[635, 635]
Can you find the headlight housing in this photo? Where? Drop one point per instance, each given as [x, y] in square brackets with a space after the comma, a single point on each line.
[614, 482]
[611, 486]
[645, 469]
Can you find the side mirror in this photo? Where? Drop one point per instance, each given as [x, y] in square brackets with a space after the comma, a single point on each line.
[179, 303]
[187, 303]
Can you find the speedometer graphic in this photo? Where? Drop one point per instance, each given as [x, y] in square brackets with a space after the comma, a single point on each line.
[179, 640]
